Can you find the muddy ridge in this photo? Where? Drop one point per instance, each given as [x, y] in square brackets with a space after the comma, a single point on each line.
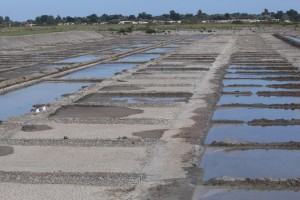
[278, 184]
[287, 86]
[279, 93]
[255, 145]
[291, 106]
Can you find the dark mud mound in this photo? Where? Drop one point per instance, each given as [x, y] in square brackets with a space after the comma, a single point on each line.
[152, 134]
[6, 150]
[35, 128]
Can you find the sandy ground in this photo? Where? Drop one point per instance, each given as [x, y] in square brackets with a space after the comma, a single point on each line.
[29, 41]
[143, 150]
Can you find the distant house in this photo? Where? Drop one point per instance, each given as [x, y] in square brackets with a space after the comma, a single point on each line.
[30, 24]
[126, 22]
[222, 21]
[174, 22]
[142, 22]
[240, 20]
[133, 22]
[253, 20]
[69, 23]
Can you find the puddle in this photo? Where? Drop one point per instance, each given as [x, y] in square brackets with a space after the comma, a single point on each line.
[139, 58]
[254, 76]
[160, 50]
[249, 114]
[119, 50]
[259, 71]
[233, 194]
[254, 90]
[78, 59]
[5, 150]
[251, 164]
[121, 88]
[255, 82]
[259, 68]
[100, 71]
[19, 102]
[245, 133]
[173, 45]
[263, 72]
[254, 99]
[50, 67]
[91, 112]
[174, 69]
[135, 98]
[293, 38]
[141, 45]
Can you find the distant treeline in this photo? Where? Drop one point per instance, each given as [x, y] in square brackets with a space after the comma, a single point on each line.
[44, 20]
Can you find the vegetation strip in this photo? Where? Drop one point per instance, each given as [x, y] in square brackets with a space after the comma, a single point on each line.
[120, 142]
[271, 106]
[262, 182]
[74, 178]
[148, 121]
[279, 93]
[256, 145]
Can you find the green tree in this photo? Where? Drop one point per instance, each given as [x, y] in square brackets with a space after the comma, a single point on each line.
[163, 17]
[265, 12]
[38, 20]
[279, 15]
[50, 20]
[227, 16]
[131, 17]
[293, 15]
[174, 16]
[114, 21]
[44, 19]
[144, 15]
[6, 19]
[104, 18]
[1, 20]
[93, 18]
[199, 14]
[58, 19]
[70, 19]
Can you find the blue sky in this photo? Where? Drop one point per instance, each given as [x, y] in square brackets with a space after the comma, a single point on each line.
[29, 9]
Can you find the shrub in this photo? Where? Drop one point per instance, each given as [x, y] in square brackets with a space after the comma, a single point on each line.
[126, 30]
[150, 30]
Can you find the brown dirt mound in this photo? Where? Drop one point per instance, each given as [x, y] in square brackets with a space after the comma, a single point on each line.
[86, 112]
[35, 128]
[5, 150]
[152, 134]
[8, 42]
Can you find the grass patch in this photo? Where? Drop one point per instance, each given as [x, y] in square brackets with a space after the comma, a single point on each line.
[15, 31]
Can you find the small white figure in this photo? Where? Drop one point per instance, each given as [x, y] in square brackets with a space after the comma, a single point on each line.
[44, 108]
[37, 110]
